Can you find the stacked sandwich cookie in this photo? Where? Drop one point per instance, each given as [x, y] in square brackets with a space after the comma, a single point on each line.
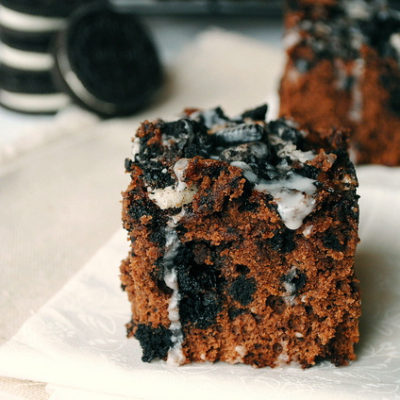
[27, 30]
[243, 235]
[343, 71]
[52, 52]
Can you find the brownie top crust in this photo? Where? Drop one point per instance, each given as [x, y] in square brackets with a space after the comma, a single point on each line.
[275, 158]
[340, 28]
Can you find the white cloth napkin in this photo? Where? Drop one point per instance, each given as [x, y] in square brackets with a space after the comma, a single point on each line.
[21, 133]
[77, 342]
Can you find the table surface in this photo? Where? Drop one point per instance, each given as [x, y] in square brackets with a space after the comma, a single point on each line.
[45, 237]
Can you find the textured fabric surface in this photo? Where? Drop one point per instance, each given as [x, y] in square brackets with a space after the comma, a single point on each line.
[60, 200]
[82, 329]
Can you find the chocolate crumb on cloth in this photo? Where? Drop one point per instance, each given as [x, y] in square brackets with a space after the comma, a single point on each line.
[343, 71]
[243, 235]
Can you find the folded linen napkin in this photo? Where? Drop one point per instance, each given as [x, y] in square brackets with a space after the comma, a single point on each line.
[77, 341]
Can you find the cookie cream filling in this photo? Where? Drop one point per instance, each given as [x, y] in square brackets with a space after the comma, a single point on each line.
[25, 60]
[290, 150]
[174, 196]
[356, 109]
[33, 102]
[29, 23]
[395, 42]
[357, 9]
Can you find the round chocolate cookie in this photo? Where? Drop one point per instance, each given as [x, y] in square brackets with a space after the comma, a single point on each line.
[17, 21]
[45, 8]
[30, 91]
[26, 81]
[26, 41]
[25, 60]
[28, 103]
[107, 62]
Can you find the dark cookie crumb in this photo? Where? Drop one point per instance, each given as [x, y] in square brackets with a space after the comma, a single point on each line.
[242, 269]
[256, 114]
[242, 290]
[283, 241]
[155, 342]
[331, 241]
[200, 287]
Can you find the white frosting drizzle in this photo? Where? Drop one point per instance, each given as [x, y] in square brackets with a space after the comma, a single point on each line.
[172, 197]
[29, 23]
[294, 197]
[291, 38]
[355, 113]
[179, 170]
[34, 102]
[341, 74]
[247, 171]
[395, 42]
[25, 60]
[357, 72]
[357, 9]
[175, 354]
[135, 147]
